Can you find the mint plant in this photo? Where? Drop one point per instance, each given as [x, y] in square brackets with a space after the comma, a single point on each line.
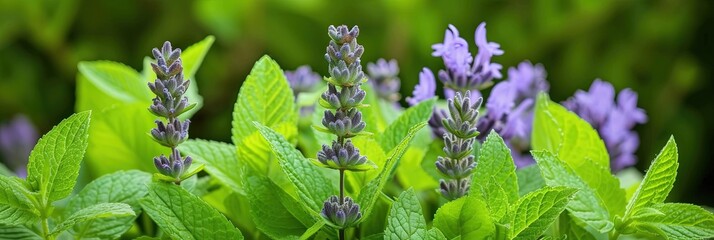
[394, 178]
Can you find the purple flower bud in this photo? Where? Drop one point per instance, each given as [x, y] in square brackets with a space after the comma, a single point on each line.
[612, 119]
[453, 189]
[345, 124]
[425, 89]
[17, 138]
[384, 77]
[341, 215]
[340, 156]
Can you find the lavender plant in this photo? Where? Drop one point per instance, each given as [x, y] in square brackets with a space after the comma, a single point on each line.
[169, 103]
[383, 75]
[343, 119]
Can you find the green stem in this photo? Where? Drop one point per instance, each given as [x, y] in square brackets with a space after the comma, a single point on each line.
[46, 229]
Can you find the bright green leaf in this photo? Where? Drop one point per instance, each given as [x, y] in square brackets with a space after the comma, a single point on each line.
[586, 205]
[102, 84]
[55, 160]
[405, 220]
[97, 211]
[15, 204]
[220, 160]
[264, 97]
[536, 211]
[271, 208]
[313, 187]
[119, 187]
[678, 221]
[182, 215]
[368, 147]
[18, 233]
[396, 131]
[466, 217]
[494, 195]
[495, 162]
[312, 230]
[529, 179]
[658, 181]
[369, 193]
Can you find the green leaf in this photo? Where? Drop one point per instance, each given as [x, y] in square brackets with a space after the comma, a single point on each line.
[435, 234]
[368, 147]
[536, 211]
[571, 138]
[372, 115]
[494, 195]
[369, 193]
[658, 181]
[102, 84]
[313, 187]
[678, 221]
[466, 217]
[97, 211]
[312, 230]
[271, 209]
[396, 131]
[405, 220]
[118, 142]
[529, 179]
[220, 160]
[182, 215]
[18, 233]
[264, 97]
[55, 160]
[15, 202]
[119, 187]
[496, 162]
[586, 205]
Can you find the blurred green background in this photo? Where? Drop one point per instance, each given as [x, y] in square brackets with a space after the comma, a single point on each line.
[660, 48]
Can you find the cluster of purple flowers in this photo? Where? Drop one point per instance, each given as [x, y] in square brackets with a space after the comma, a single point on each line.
[17, 138]
[383, 75]
[170, 102]
[302, 80]
[342, 118]
[510, 105]
[613, 119]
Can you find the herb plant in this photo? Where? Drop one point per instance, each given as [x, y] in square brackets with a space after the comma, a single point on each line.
[526, 168]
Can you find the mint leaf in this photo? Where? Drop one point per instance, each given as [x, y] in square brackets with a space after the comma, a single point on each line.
[15, 204]
[368, 147]
[312, 230]
[119, 187]
[369, 193]
[313, 187]
[55, 160]
[536, 211]
[118, 142]
[529, 179]
[397, 130]
[102, 84]
[565, 134]
[496, 164]
[98, 211]
[18, 233]
[219, 158]
[435, 234]
[586, 205]
[494, 195]
[184, 216]
[466, 217]
[405, 220]
[271, 208]
[658, 181]
[264, 97]
[678, 221]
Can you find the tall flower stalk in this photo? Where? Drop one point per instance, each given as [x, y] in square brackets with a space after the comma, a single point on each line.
[169, 103]
[343, 118]
[458, 162]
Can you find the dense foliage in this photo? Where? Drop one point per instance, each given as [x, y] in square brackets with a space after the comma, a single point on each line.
[407, 181]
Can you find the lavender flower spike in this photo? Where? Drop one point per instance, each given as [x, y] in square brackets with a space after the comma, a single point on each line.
[458, 163]
[170, 102]
[302, 80]
[383, 76]
[612, 119]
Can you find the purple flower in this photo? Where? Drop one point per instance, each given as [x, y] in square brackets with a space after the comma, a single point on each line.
[302, 80]
[510, 108]
[425, 89]
[612, 118]
[383, 76]
[463, 71]
[17, 138]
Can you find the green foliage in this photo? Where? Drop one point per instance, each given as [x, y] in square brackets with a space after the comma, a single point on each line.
[94, 212]
[219, 158]
[496, 170]
[182, 215]
[467, 217]
[398, 129]
[16, 206]
[676, 221]
[658, 181]
[54, 162]
[405, 219]
[533, 213]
